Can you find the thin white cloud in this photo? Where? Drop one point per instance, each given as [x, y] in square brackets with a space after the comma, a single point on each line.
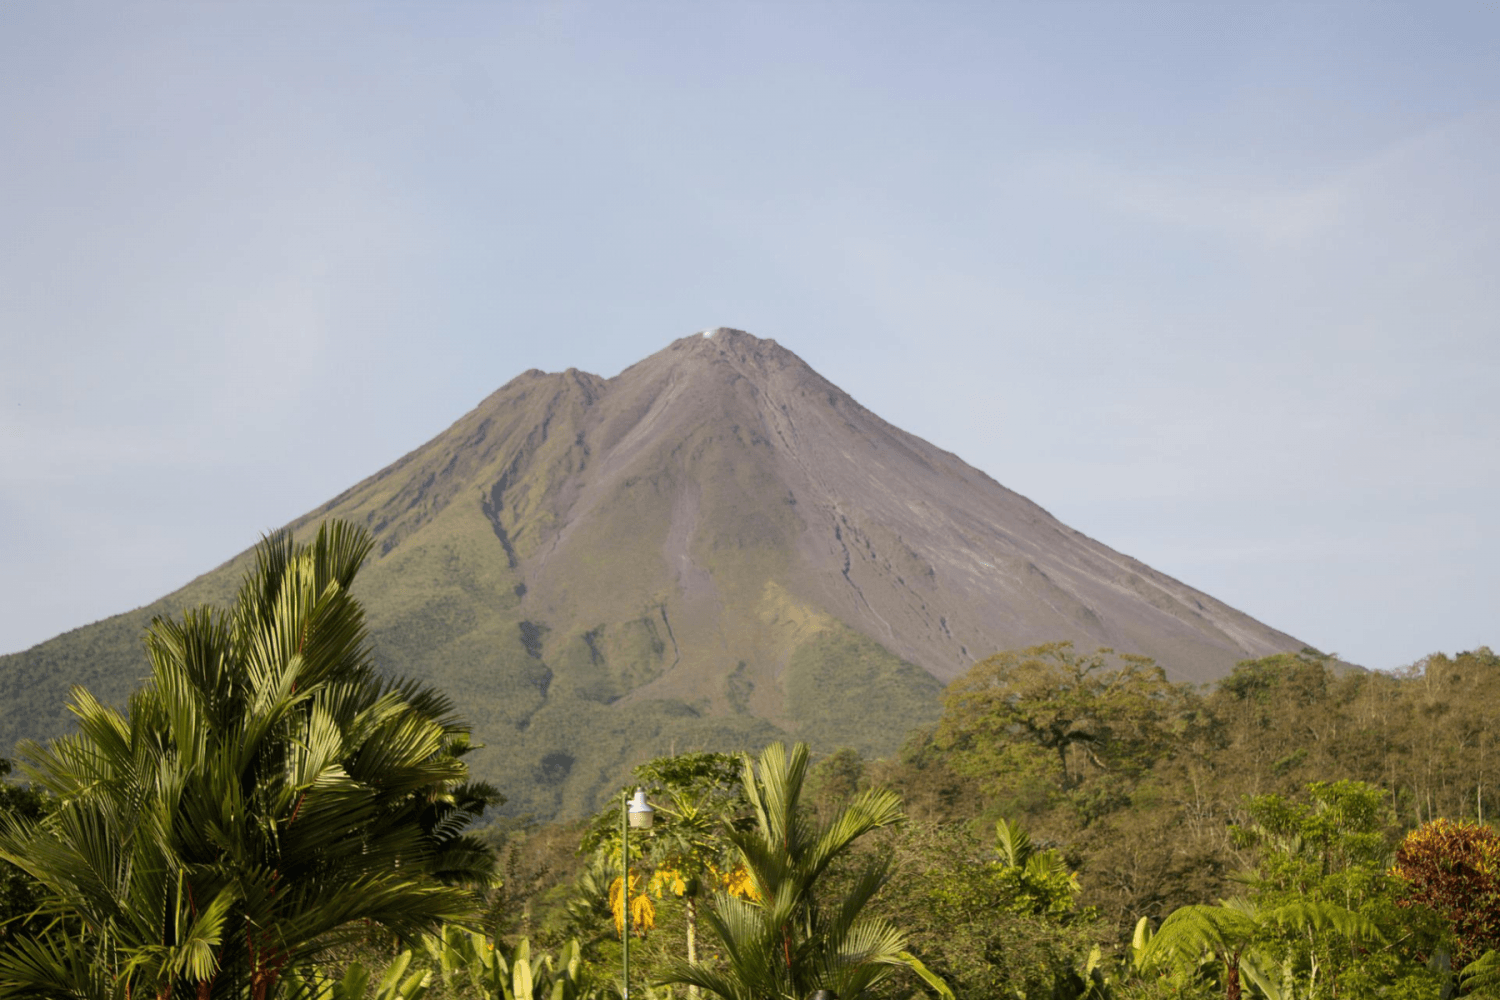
[1236, 207]
[1270, 209]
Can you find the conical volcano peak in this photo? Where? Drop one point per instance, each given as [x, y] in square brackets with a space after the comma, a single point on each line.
[731, 335]
[725, 356]
[728, 343]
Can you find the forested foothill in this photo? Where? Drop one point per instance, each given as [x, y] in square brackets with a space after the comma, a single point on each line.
[270, 817]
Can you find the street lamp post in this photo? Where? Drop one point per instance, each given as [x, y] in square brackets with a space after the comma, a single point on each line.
[635, 812]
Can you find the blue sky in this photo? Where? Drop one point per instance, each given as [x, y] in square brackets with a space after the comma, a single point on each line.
[1214, 285]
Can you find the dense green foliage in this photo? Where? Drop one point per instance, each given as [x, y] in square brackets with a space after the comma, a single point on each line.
[1321, 914]
[990, 917]
[268, 817]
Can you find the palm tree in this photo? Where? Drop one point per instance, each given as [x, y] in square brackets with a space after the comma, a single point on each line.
[785, 942]
[262, 799]
[1041, 878]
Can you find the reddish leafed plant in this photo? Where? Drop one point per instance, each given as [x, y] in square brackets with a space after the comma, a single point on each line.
[1454, 868]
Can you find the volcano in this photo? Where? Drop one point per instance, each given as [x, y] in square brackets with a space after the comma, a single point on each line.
[715, 548]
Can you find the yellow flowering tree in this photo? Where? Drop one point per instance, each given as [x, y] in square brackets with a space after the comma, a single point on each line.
[667, 881]
[686, 854]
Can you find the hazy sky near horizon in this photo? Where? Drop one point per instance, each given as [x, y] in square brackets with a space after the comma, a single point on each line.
[1218, 285]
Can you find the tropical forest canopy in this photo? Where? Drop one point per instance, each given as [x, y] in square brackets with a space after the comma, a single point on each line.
[268, 816]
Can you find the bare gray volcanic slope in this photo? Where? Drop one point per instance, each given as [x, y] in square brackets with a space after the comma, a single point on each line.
[716, 547]
[898, 539]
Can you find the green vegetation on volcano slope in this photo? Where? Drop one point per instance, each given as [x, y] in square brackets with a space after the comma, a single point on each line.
[551, 700]
[107, 657]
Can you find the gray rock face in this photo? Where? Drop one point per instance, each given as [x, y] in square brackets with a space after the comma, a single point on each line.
[898, 539]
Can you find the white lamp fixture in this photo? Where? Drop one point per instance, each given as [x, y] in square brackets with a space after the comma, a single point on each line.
[641, 813]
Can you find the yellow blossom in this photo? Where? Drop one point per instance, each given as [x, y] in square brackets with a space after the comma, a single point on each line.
[668, 880]
[737, 882]
[642, 911]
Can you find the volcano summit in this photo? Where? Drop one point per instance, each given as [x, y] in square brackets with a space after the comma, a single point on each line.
[716, 547]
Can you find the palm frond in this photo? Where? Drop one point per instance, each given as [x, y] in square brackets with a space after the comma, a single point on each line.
[54, 966]
[1324, 916]
[1013, 842]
